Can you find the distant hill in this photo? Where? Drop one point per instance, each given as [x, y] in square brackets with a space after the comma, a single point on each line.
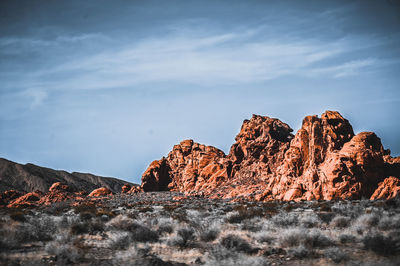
[30, 177]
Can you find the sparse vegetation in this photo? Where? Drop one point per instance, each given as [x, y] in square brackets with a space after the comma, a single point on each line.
[202, 232]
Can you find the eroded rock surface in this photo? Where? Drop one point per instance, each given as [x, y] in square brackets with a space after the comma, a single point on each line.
[388, 189]
[324, 160]
[100, 192]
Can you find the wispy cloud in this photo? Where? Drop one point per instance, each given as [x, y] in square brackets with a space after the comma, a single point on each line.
[226, 58]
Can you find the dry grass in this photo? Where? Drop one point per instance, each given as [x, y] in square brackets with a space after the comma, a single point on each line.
[203, 232]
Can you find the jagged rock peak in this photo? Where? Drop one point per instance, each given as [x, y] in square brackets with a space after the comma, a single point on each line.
[264, 128]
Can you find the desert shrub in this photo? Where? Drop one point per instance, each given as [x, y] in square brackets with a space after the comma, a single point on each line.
[236, 243]
[171, 208]
[315, 238]
[367, 221]
[85, 208]
[350, 209]
[18, 216]
[185, 237]
[36, 229]
[284, 219]
[45, 227]
[244, 212]
[295, 237]
[119, 240]
[123, 223]
[144, 234]
[389, 222]
[299, 252]
[92, 226]
[340, 221]
[345, 238]
[264, 238]
[64, 252]
[57, 208]
[208, 235]
[146, 209]
[220, 256]
[80, 228]
[7, 239]
[273, 251]
[336, 254]
[326, 217]
[180, 215]
[85, 216]
[383, 245]
[96, 226]
[165, 228]
[235, 218]
[252, 225]
[310, 220]
[291, 237]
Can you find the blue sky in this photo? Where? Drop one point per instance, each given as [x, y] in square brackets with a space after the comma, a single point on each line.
[108, 86]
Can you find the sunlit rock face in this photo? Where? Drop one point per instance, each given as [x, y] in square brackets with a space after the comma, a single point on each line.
[100, 192]
[324, 160]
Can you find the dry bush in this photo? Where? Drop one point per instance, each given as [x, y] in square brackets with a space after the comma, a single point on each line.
[144, 234]
[185, 237]
[336, 254]
[264, 237]
[382, 245]
[208, 235]
[218, 255]
[285, 219]
[389, 222]
[312, 238]
[236, 243]
[299, 252]
[346, 238]
[119, 240]
[340, 221]
[65, 253]
[310, 220]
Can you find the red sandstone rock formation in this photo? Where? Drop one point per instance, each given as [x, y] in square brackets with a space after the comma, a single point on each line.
[134, 190]
[125, 188]
[188, 167]
[7, 196]
[388, 189]
[28, 200]
[59, 187]
[100, 192]
[324, 160]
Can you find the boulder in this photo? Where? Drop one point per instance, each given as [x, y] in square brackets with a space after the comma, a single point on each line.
[100, 192]
[125, 188]
[59, 187]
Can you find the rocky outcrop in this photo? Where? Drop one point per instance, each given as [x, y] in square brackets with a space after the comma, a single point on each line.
[388, 189]
[30, 177]
[100, 192]
[323, 160]
[188, 167]
[58, 187]
[135, 189]
[28, 200]
[125, 188]
[7, 196]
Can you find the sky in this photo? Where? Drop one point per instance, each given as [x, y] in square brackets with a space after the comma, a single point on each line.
[106, 87]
